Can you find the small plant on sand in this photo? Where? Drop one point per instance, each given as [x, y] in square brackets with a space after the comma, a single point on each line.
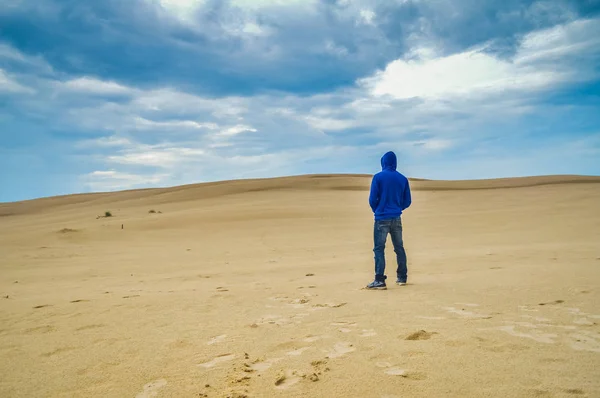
[152, 211]
[108, 214]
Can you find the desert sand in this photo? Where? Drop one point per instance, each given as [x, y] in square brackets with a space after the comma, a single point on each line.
[254, 288]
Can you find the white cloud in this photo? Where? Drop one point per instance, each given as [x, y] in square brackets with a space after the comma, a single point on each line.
[458, 74]
[247, 29]
[434, 144]
[473, 72]
[10, 54]
[8, 84]
[258, 4]
[181, 9]
[108, 180]
[579, 38]
[332, 48]
[367, 17]
[235, 130]
[105, 142]
[95, 86]
[165, 156]
[330, 124]
[145, 124]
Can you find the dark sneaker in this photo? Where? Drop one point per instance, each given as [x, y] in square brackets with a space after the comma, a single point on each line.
[377, 285]
[400, 282]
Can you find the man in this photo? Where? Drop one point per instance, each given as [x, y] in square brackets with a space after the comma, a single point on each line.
[389, 197]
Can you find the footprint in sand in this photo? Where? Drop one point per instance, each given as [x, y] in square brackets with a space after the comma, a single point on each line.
[538, 336]
[287, 379]
[151, 389]
[391, 370]
[216, 339]
[264, 365]
[340, 349]
[217, 360]
[297, 352]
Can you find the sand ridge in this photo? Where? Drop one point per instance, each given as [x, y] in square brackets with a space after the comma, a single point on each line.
[254, 288]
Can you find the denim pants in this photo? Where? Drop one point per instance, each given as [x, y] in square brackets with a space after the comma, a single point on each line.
[381, 230]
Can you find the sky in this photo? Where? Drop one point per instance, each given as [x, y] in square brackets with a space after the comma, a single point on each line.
[104, 95]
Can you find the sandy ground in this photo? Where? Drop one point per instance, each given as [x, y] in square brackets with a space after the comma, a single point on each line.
[254, 288]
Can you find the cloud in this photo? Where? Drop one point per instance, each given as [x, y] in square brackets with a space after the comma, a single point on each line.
[215, 48]
[260, 4]
[148, 99]
[533, 67]
[141, 123]
[367, 17]
[95, 86]
[105, 142]
[109, 180]
[9, 85]
[235, 130]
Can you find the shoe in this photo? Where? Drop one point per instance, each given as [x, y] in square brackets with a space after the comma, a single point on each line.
[377, 285]
[400, 282]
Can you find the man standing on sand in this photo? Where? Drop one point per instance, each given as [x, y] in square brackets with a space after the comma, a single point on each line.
[389, 197]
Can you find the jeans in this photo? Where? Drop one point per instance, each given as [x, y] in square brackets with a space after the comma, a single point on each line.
[381, 230]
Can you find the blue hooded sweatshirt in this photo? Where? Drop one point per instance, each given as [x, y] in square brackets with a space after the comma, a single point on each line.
[390, 191]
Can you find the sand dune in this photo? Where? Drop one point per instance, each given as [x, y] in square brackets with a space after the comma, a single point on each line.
[253, 288]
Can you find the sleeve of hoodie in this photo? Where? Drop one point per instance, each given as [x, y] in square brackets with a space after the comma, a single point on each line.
[374, 195]
[407, 199]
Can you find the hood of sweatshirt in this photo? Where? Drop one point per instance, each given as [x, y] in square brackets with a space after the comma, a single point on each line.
[389, 161]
